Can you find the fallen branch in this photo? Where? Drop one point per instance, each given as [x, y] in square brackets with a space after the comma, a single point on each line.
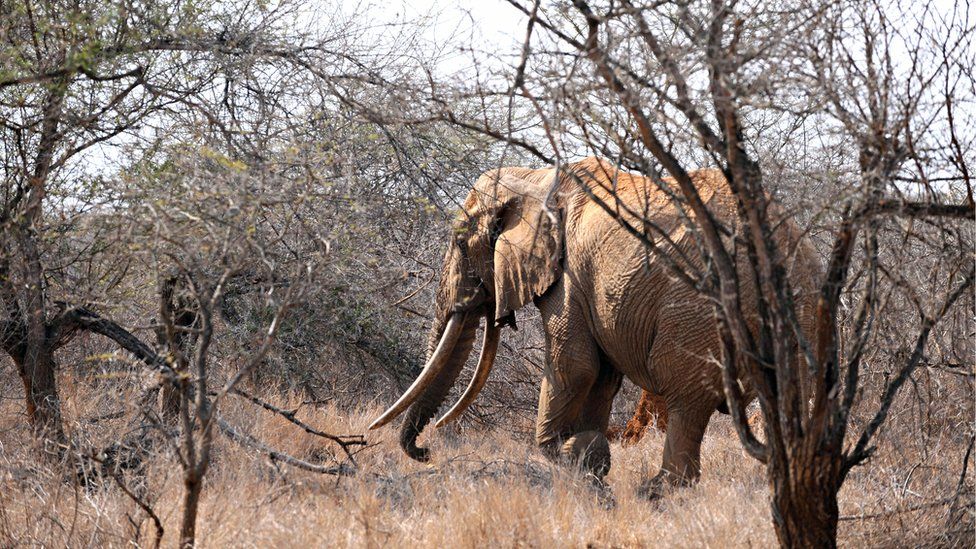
[344, 441]
[883, 514]
[251, 442]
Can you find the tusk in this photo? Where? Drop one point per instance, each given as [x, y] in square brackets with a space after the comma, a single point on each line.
[433, 367]
[488, 349]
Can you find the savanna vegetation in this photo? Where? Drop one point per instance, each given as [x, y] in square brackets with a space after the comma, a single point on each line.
[222, 256]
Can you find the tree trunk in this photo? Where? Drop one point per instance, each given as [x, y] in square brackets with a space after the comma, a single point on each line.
[40, 391]
[169, 403]
[180, 312]
[805, 499]
[192, 484]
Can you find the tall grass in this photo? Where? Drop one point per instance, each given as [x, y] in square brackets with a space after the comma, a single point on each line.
[483, 488]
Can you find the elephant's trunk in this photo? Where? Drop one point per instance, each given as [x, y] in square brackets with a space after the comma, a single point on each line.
[489, 347]
[460, 303]
[422, 409]
[428, 376]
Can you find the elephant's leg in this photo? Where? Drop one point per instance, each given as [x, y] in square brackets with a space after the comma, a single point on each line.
[576, 394]
[681, 463]
[570, 426]
[595, 414]
[589, 444]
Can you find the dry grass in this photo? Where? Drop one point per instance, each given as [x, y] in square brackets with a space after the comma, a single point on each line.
[481, 489]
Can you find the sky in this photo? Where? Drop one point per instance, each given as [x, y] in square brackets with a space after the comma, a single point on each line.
[488, 27]
[494, 21]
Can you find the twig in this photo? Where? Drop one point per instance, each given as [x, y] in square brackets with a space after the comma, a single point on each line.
[138, 501]
[103, 417]
[411, 295]
[962, 478]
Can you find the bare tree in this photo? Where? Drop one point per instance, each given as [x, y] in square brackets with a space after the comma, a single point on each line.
[866, 96]
[220, 227]
[211, 198]
[73, 77]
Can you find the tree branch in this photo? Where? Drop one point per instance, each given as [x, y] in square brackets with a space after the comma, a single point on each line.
[861, 450]
[82, 318]
[344, 441]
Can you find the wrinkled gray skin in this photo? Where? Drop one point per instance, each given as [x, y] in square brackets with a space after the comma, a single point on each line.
[609, 309]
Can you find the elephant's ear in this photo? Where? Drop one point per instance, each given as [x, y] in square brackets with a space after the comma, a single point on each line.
[527, 253]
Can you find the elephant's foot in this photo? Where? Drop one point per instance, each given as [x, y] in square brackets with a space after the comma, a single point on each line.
[661, 484]
[590, 451]
[603, 492]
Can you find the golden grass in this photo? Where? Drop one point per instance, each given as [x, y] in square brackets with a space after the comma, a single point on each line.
[481, 489]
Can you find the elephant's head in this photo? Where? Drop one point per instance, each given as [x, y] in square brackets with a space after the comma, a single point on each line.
[504, 251]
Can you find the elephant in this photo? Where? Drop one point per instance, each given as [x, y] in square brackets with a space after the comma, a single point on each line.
[608, 306]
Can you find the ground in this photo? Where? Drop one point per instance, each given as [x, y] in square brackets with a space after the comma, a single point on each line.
[481, 489]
